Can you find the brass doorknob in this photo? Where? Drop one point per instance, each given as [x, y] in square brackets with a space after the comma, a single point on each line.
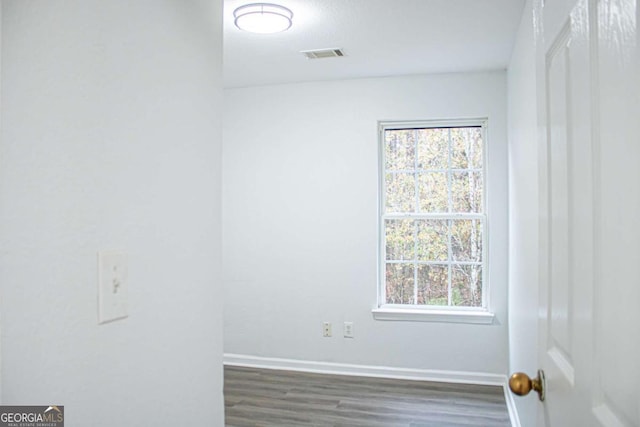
[521, 384]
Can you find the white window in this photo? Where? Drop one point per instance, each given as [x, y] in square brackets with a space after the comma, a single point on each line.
[432, 216]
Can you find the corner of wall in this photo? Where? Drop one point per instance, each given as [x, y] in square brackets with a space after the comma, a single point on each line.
[1, 335]
[523, 253]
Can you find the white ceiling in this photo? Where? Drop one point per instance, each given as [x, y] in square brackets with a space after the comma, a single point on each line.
[379, 38]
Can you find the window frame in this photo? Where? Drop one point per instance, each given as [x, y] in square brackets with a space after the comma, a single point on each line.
[439, 313]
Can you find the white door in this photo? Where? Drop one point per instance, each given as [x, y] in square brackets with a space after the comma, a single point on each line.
[588, 75]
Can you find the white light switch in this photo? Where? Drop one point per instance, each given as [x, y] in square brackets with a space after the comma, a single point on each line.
[112, 286]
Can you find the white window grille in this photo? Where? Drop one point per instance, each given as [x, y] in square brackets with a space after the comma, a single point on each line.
[432, 215]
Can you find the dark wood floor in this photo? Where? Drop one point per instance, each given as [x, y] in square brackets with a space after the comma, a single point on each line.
[270, 398]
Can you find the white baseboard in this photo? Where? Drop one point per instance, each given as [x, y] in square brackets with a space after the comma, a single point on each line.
[364, 370]
[511, 404]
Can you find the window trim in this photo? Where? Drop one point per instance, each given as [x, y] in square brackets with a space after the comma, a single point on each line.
[431, 314]
[474, 315]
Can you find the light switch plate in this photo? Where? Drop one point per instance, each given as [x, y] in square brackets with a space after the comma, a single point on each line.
[112, 286]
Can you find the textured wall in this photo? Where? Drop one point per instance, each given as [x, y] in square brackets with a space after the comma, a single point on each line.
[111, 140]
[300, 221]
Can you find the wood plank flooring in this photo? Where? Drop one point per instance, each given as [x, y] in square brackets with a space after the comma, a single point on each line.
[271, 398]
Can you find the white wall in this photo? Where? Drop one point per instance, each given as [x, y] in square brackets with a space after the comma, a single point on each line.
[0, 205]
[300, 214]
[111, 140]
[523, 212]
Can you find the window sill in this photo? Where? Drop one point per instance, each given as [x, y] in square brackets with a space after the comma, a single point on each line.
[444, 316]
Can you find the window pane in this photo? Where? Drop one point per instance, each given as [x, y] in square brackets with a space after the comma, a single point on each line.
[433, 259]
[466, 285]
[433, 148]
[400, 194]
[466, 148]
[466, 191]
[400, 149]
[466, 240]
[399, 237]
[432, 240]
[432, 187]
[433, 284]
[399, 283]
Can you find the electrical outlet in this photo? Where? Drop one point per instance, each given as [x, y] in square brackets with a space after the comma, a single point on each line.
[326, 329]
[112, 286]
[348, 329]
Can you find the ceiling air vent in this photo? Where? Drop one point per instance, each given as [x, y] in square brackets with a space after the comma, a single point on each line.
[323, 53]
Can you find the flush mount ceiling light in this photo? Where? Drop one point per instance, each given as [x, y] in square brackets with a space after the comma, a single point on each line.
[263, 18]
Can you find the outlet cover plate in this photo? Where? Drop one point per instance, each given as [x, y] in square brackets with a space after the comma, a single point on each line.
[112, 286]
[348, 329]
[326, 329]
